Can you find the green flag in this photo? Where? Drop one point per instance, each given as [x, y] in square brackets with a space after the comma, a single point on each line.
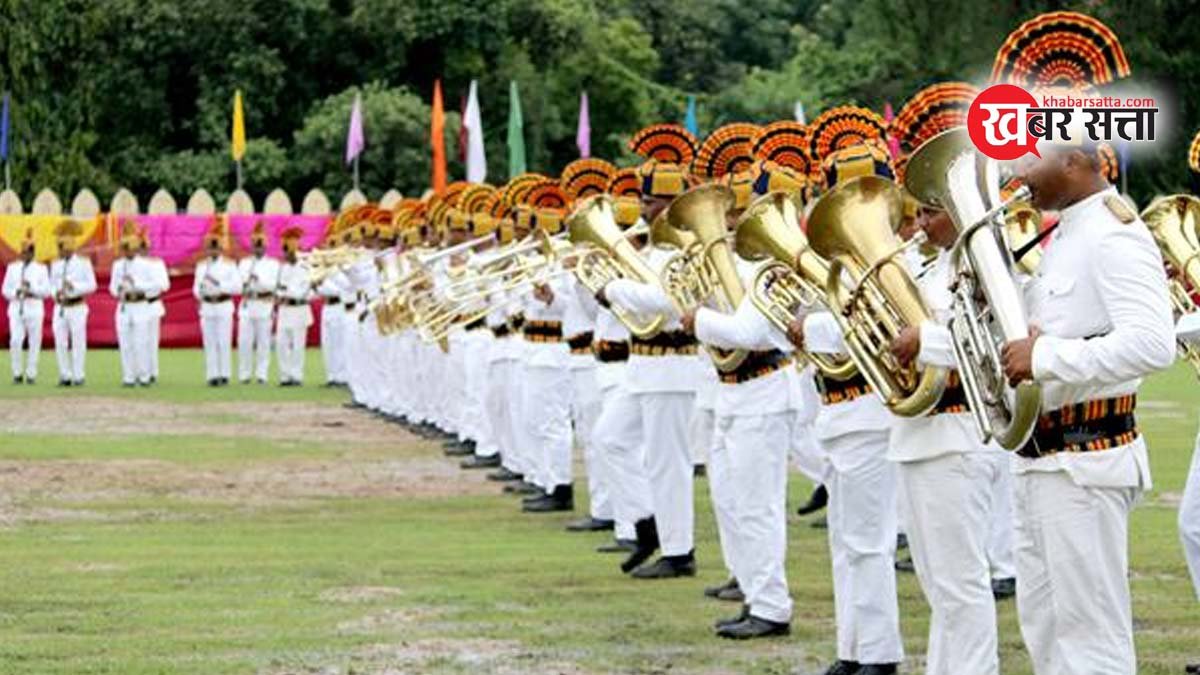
[516, 133]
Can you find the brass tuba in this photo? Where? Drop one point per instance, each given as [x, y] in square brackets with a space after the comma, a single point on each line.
[853, 226]
[1173, 220]
[609, 255]
[1023, 223]
[704, 271]
[792, 275]
[947, 172]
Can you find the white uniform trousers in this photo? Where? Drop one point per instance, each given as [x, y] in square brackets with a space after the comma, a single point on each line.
[20, 328]
[547, 408]
[862, 546]
[217, 334]
[153, 342]
[808, 455]
[754, 450]
[1189, 519]
[585, 409]
[496, 404]
[720, 492]
[352, 351]
[475, 394]
[948, 504]
[289, 350]
[133, 339]
[254, 346]
[70, 341]
[1000, 539]
[332, 354]
[519, 462]
[617, 437]
[1072, 575]
[457, 408]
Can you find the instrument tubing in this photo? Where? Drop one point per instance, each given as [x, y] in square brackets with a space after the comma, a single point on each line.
[756, 365]
[611, 351]
[1090, 426]
[840, 391]
[542, 331]
[580, 343]
[668, 343]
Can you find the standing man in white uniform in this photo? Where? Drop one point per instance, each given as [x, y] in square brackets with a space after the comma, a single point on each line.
[154, 302]
[216, 282]
[72, 280]
[120, 286]
[26, 287]
[295, 312]
[1101, 303]
[260, 275]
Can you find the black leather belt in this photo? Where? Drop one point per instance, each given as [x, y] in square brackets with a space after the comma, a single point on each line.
[1090, 426]
[669, 343]
[501, 331]
[580, 343]
[293, 302]
[611, 351]
[332, 302]
[218, 299]
[839, 391]
[756, 365]
[542, 331]
[349, 306]
[258, 296]
[133, 297]
[476, 324]
[516, 321]
[70, 302]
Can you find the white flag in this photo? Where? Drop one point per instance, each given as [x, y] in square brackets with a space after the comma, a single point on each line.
[799, 113]
[476, 160]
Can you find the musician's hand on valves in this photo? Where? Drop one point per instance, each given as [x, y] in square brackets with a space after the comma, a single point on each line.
[907, 344]
[689, 322]
[1017, 357]
[795, 333]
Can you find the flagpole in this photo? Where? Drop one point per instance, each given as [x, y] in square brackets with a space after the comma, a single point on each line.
[238, 165]
[7, 176]
[356, 172]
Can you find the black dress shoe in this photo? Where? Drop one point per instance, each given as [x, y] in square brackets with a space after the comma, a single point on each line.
[64, 383]
[477, 462]
[1003, 589]
[905, 565]
[618, 546]
[816, 501]
[668, 567]
[18, 379]
[754, 627]
[730, 620]
[590, 524]
[561, 498]
[214, 383]
[1192, 669]
[646, 544]
[457, 449]
[503, 475]
[877, 669]
[901, 541]
[699, 471]
[78, 383]
[714, 591]
[844, 668]
[734, 594]
[820, 524]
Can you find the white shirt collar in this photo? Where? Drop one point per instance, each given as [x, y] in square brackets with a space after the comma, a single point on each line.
[1076, 210]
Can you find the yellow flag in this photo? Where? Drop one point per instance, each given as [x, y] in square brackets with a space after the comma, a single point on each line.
[238, 144]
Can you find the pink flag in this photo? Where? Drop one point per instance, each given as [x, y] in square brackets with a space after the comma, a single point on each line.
[893, 142]
[354, 137]
[583, 135]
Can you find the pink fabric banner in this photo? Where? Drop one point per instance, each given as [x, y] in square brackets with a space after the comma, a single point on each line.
[177, 239]
[241, 226]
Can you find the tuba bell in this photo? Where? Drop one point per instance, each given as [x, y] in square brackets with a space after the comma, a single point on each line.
[704, 272]
[792, 275]
[947, 172]
[853, 226]
[1023, 223]
[1173, 221]
[606, 255]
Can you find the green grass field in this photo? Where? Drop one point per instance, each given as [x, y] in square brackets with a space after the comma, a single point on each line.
[255, 529]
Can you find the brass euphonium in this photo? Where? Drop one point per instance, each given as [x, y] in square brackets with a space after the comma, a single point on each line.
[853, 227]
[1174, 221]
[792, 276]
[704, 273]
[947, 172]
[609, 255]
[1023, 223]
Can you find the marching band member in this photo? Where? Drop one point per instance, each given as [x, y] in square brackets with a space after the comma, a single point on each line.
[260, 275]
[501, 362]
[154, 302]
[333, 323]
[523, 462]
[26, 287]
[216, 281]
[72, 280]
[134, 279]
[295, 312]
[1100, 302]
[655, 409]
[119, 286]
[853, 427]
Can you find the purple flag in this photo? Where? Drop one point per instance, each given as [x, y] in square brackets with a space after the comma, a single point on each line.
[354, 137]
[4, 130]
[583, 136]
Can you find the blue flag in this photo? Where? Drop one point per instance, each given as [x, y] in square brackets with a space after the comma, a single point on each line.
[4, 130]
[689, 120]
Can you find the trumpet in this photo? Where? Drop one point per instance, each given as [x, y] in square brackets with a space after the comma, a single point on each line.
[430, 258]
[853, 227]
[947, 172]
[1174, 221]
[607, 255]
[323, 263]
[792, 276]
